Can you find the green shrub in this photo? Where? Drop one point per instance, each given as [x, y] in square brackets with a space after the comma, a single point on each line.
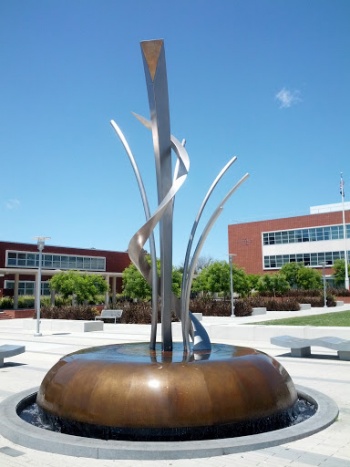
[26, 301]
[6, 303]
[319, 301]
[79, 312]
[135, 312]
[341, 292]
[59, 301]
[284, 304]
[209, 307]
[243, 307]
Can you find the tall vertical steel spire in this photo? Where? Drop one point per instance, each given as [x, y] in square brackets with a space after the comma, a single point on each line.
[157, 87]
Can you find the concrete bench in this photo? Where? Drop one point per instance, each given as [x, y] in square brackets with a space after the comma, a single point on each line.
[259, 310]
[110, 314]
[7, 351]
[64, 325]
[302, 347]
[305, 306]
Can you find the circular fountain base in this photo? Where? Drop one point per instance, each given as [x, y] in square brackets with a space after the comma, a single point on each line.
[129, 392]
[20, 432]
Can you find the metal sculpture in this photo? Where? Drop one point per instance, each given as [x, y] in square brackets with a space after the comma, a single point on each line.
[170, 391]
[167, 186]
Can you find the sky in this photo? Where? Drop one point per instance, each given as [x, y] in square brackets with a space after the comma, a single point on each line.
[264, 80]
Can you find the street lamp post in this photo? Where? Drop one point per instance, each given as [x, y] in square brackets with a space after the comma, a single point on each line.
[324, 285]
[342, 193]
[41, 244]
[231, 286]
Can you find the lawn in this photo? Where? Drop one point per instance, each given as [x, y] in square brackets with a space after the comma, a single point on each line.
[341, 318]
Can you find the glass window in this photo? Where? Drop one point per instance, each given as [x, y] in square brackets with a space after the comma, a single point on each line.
[31, 259]
[313, 259]
[327, 233]
[64, 262]
[101, 264]
[265, 239]
[312, 235]
[291, 235]
[278, 237]
[319, 234]
[305, 235]
[298, 236]
[321, 258]
[285, 259]
[56, 261]
[21, 259]
[11, 259]
[284, 237]
[271, 238]
[334, 232]
[336, 255]
[47, 263]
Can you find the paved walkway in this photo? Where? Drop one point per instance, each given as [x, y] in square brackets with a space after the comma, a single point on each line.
[323, 372]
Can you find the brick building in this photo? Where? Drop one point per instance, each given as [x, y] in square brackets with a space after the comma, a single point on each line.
[19, 266]
[263, 246]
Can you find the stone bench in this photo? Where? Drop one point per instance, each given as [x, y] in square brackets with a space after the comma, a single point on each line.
[7, 351]
[259, 310]
[64, 325]
[110, 314]
[305, 306]
[301, 347]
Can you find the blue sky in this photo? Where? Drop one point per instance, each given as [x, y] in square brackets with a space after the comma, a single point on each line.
[265, 80]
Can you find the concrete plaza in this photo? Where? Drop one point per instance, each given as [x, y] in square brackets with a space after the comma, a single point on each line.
[323, 372]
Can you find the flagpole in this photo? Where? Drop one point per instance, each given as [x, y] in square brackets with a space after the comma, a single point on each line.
[344, 233]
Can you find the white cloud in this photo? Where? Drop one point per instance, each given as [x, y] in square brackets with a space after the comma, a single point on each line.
[287, 98]
[12, 204]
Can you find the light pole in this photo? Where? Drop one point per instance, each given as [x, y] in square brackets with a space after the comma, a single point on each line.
[231, 286]
[342, 193]
[324, 285]
[41, 244]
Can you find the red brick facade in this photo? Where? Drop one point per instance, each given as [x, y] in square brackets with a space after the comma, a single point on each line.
[116, 261]
[245, 240]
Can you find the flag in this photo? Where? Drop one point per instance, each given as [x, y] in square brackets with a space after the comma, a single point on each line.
[342, 186]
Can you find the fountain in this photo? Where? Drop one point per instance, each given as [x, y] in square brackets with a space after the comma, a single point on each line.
[196, 390]
[164, 391]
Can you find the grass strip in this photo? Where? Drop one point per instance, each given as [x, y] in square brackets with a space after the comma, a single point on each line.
[341, 318]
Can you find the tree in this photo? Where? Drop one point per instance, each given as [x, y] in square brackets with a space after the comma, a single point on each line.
[290, 271]
[134, 284]
[83, 287]
[273, 283]
[136, 287]
[301, 277]
[253, 281]
[339, 272]
[215, 278]
[309, 279]
[202, 262]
